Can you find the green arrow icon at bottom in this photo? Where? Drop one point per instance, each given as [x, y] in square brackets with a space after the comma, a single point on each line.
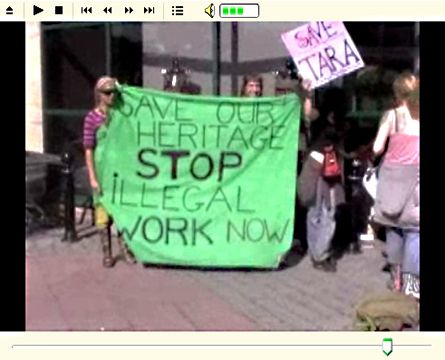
[387, 346]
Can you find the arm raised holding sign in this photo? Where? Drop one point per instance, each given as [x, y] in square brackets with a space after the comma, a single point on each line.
[323, 51]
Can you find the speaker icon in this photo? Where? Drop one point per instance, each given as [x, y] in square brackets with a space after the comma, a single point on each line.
[210, 10]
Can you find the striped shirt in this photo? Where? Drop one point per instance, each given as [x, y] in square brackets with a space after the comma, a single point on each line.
[92, 122]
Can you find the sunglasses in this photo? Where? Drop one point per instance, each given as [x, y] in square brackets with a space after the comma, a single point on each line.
[108, 92]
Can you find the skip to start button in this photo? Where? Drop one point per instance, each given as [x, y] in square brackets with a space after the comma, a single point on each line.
[239, 10]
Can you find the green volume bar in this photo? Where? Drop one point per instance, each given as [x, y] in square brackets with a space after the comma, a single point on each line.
[239, 10]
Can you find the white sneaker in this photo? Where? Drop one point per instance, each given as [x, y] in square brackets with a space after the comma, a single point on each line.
[411, 285]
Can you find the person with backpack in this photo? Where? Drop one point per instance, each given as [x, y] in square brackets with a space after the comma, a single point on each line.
[320, 189]
[321, 185]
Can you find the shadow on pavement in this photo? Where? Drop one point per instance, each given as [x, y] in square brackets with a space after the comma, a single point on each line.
[293, 258]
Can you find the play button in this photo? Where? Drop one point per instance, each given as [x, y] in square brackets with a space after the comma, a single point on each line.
[36, 10]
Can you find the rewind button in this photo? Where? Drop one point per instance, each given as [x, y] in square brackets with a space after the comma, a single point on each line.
[86, 10]
[108, 10]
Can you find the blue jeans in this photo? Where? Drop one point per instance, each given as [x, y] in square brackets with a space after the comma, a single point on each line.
[402, 247]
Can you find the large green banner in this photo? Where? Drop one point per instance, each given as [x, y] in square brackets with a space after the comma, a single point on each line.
[201, 180]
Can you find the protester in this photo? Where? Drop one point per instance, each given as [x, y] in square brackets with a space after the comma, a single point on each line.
[289, 81]
[320, 189]
[104, 93]
[397, 200]
[321, 182]
[252, 86]
[308, 114]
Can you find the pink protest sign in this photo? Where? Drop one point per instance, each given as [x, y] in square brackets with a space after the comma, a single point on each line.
[322, 51]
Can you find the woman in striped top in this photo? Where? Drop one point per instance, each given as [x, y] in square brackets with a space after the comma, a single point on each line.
[104, 93]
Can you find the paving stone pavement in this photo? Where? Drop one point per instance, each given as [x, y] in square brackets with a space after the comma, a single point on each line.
[67, 289]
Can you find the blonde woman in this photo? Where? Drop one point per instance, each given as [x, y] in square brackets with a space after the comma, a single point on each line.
[397, 198]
